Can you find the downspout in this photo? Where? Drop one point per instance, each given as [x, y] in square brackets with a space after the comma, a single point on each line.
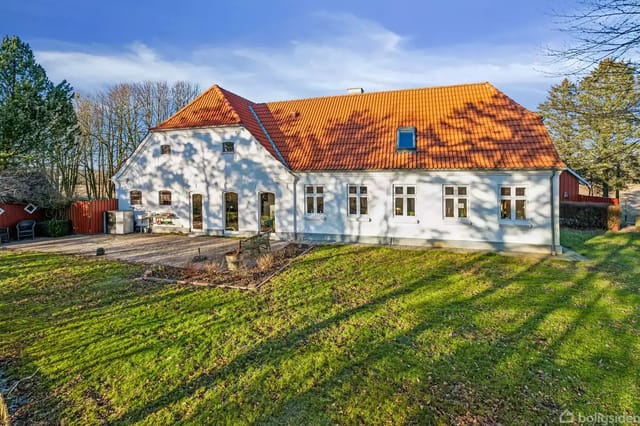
[553, 216]
[295, 207]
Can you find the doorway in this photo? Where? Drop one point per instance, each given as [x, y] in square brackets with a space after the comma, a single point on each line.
[267, 212]
[196, 212]
[230, 211]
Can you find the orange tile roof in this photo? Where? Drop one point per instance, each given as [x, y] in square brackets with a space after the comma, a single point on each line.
[470, 126]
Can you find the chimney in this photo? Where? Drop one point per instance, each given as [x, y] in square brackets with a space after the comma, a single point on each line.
[355, 90]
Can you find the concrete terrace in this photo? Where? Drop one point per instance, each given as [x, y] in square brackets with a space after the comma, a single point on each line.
[153, 249]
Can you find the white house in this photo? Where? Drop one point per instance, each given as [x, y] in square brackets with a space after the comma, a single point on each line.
[459, 166]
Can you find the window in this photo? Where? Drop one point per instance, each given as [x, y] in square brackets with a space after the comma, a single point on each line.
[231, 211]
[165, 149]
[404, 200]
[314, 196]
[164, 198]
[135, 198]
[513, 203]
[228, 147]
[456, 201]
[406, 138]
[358, 200]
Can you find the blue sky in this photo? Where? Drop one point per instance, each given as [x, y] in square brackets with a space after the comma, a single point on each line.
[286, 49]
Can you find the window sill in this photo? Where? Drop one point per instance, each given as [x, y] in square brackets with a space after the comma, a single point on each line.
[405, 219]
[315, 217]
[457, 221]
[358, 218]
[520, 223]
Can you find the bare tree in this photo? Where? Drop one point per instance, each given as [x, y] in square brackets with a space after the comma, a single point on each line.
[601, 29]
[114, 122]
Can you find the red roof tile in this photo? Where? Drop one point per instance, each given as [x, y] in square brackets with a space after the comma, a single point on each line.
[471, 126]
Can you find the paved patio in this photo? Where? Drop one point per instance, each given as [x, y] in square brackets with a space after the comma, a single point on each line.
[158, 249]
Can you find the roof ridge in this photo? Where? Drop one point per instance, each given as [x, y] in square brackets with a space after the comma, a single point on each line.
[223, 92]
[411, 89]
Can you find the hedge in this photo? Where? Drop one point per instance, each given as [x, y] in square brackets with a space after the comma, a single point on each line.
[53, 228]
[590, 215]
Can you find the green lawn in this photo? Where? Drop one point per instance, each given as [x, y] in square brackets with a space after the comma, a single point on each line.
[347, 335]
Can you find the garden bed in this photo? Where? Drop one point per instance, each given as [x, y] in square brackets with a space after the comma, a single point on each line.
[215, 273]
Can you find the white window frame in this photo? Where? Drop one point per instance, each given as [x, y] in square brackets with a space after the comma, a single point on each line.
[314, 195]
[513, 198]
[456, 201]
[358, 195]
[405, 197]
[233, 148]
[140, 203]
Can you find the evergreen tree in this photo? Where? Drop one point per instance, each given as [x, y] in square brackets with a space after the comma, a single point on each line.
[23, 89]
[594, 124]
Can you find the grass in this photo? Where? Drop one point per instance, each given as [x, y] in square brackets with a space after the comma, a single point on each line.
[347, 335]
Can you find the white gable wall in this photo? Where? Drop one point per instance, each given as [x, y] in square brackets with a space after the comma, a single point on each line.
[197, 165]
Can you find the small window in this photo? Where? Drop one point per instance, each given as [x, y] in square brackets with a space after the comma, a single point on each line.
[30, 208]
[228, 147]
[135, 198]
[404, 200]
[314, 195]
[456, 202]
[513, 203]
[165, 149]
[406, 138]
[165, 198]
[358, 200]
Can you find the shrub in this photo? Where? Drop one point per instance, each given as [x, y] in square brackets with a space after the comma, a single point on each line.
[614, 214]
[266, 261]
[54, 228]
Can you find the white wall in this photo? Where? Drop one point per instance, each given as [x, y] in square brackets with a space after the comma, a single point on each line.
[197, 165]
[482, 229]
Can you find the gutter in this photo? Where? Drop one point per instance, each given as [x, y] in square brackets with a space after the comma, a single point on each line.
[264, 130]
[553, 215]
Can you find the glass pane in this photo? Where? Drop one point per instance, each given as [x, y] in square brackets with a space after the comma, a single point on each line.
[505, 190]
[353, 205]
[411, 206]
[505, 209]
[462, 190]
[520, 192]
[399, 189]
[399, 207]
[364, 207]
[411, 190]
[448, 190]
[520, 210]
[231, 211]
[320, 203]
[319, 189]
[227, 146]
[406, 139]
[309, 189]
[353, 189]
[363, 190]
[462, 207]
[310, 205]
[448, 207]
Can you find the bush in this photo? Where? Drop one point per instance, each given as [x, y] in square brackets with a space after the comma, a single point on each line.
[583, 215]
[53, 228]
[266, 261]
[614, 215]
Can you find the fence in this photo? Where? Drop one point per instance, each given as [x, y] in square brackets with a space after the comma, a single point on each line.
[86, 216]
[591, 199]
[14, 213]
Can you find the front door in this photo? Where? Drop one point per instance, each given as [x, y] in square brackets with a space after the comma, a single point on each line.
[267, 212]
[196, 212]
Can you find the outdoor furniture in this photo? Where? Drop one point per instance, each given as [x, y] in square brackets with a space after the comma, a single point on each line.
[4, 235]
[26, 228]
